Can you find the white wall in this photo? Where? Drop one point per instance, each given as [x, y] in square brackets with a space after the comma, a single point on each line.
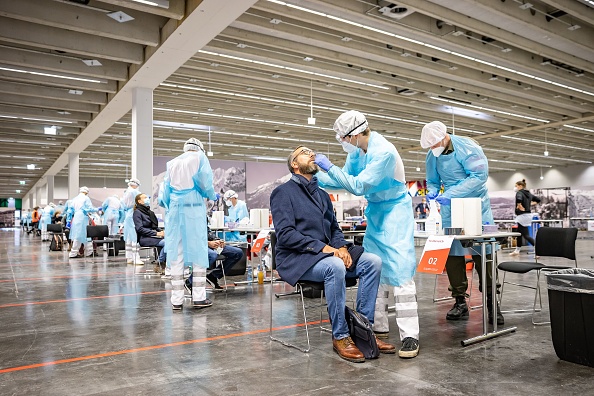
[569, 176]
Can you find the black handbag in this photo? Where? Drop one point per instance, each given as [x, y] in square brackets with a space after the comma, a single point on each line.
[361, 333]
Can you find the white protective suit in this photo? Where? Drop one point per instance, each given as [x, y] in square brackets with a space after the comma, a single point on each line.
[127, 204]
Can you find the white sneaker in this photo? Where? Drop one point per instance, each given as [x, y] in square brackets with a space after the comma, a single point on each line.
[129, 261]
[167, 274]
[138, 262]
[514, 253]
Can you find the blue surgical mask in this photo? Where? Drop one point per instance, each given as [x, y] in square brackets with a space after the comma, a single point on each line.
[147, 201]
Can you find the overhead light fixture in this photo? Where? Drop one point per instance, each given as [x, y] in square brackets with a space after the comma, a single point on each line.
[50, 130]
[546, 152]
[275, 21]
[493, 77]
[428, 45]
[525, 6]
[209, 153]
[418, 169]
[75, 91]
[311, 120]
[120, 16]
[31, 166]
[574, 27]
[22, 182]
[241, 45]
[506, 50]
[308, 59]
[18, 191]
[346, 39]
[541, 176]
[155, 3]
[92, 62]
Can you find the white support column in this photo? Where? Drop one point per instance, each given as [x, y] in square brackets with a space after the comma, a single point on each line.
[142, 138]
[38, 196]
[31, 205]
[50, 188]
[73, 164]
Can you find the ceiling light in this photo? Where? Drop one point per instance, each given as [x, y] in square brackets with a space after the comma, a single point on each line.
[545, 62]
[453, 68]
[156, 3]
[209, 153]
[241, 45]
[275, 75]
[49, 130]
[493, 78]
[275, 21]
[418, 169]
[546, 153]
[18, 191]
[63, 112]
[49, 74]
[450, 90]
[91, 62]
[22, 182]
[506, 50]
[346, 39]
[525, 6]
[214, 64]
[308, 59]
[75, 92]
[457, 33]
[31, 166]
[432, 46]
[120, 16]
[574, 27]
[488, 109]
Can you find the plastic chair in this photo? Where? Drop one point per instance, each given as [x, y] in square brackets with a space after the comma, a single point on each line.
[550, 242]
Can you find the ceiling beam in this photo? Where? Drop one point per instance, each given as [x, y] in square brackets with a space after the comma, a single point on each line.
[30, 101]
[109, 70]
[574, 8]
[176, 8]
[19, 111]
[98, 98]
[144, 31]
[93, 46]
[109, 87]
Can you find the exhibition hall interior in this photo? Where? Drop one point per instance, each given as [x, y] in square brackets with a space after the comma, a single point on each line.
[181, 178]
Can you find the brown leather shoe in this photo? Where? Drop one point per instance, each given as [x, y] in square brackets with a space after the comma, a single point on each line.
[384, 347]
[347, 350]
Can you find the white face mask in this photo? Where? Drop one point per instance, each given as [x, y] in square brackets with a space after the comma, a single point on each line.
[228, 203]
[515, 189]
[437, 151]
[347, 147]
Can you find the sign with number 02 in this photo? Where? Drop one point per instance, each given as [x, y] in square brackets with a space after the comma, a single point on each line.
[435, 254]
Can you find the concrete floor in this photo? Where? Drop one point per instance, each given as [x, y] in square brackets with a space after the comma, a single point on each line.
[91, 327]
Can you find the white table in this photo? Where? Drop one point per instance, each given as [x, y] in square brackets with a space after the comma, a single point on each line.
[484, 240]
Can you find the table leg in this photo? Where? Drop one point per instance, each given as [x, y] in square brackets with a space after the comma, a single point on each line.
[495, 333]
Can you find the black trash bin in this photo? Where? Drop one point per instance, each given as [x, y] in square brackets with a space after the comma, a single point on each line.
[571, 302]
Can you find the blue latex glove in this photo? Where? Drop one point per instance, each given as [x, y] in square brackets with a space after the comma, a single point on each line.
[323, 162]
[218, 196]
[443, 200]
[432, 194]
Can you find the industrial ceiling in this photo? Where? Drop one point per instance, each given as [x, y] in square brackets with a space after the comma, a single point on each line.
[517, 76]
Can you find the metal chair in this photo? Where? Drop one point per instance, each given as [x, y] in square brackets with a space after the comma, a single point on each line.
[101, 232]
[299, 287]
[550, 242]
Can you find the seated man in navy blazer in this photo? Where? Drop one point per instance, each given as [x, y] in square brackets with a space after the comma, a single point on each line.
[310, 246]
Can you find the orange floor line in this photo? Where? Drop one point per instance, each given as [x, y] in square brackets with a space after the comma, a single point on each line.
[152, 347]
[78, 299]
[60, 277]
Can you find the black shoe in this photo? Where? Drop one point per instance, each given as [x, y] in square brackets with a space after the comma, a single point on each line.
[459, 311]
[500, 319]
[177, 307]
[202, 304]
[410, 348]
[214, 282]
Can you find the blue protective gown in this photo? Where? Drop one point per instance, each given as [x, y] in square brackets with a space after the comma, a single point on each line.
[81, 206]
[236, 213]
[185, 217]
[46, 217]
[68, 212]
[127, 204]
[390, 220]
[464, 174]
[111, 209]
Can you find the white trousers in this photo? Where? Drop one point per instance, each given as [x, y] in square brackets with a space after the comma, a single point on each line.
[407, 317]
[177, 279]
[76, 246]
[132, 252]
[112, 225]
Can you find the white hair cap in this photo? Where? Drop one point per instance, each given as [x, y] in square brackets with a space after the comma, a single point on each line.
[53, 205]
[433, 133]
[84, 189]
[350, 123]
[134, 181]
[193, 144]
[230, 194]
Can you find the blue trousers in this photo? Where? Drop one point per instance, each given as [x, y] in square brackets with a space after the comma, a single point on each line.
[333, 273]
[232, 256]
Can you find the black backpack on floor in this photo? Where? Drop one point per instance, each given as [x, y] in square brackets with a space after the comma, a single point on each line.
[57, 243]
[361, 333]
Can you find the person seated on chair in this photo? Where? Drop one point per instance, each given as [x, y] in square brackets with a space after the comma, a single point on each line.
[232, 255]
[311, 247]
[147, 228]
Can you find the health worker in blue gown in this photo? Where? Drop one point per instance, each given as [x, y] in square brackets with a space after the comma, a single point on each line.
[80, 206]
[374, 169]
[127, 205]
[237, 212]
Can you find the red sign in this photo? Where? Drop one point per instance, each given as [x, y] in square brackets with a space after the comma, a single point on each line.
[435, 254]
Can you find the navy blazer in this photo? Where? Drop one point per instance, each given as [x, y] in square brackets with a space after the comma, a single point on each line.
[146, 234]
[303, 229]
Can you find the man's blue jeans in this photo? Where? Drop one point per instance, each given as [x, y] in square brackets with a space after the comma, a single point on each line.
[332, 272]
[162, 255]
[232, 256]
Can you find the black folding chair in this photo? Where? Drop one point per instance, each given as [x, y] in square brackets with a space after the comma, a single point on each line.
[100, 236]
[550, 242]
